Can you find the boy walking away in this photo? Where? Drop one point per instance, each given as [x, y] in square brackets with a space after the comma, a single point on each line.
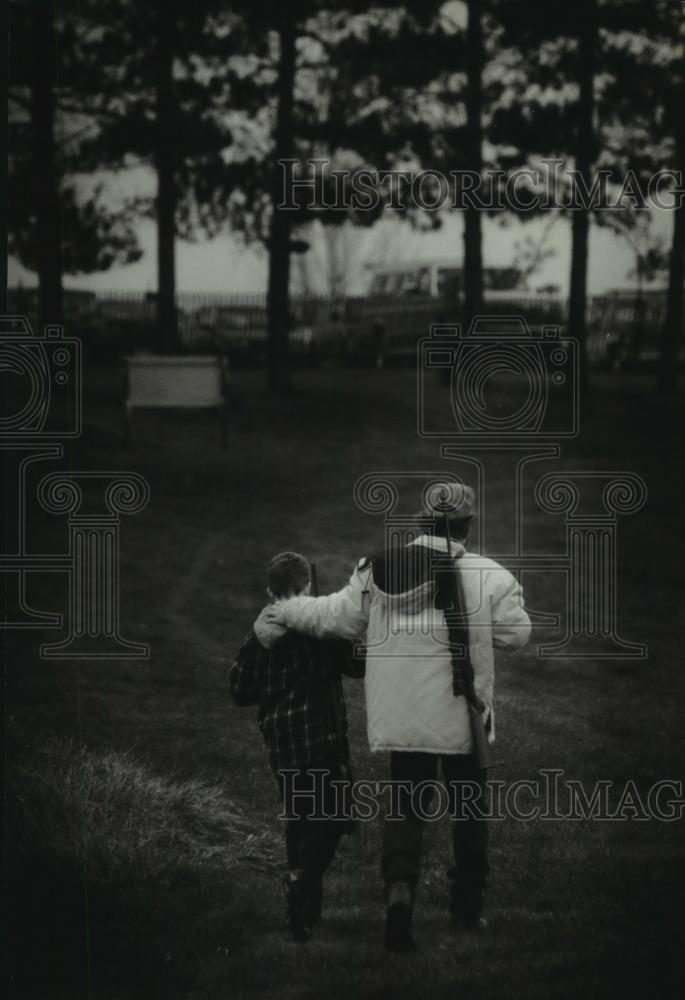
[296, 682]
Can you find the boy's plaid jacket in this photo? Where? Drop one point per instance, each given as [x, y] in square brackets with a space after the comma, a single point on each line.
[298, 687]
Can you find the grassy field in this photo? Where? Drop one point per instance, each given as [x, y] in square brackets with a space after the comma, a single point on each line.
[144, 850]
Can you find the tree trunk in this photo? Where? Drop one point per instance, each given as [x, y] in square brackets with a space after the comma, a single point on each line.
[278, 302]
[44, 167]
[165, 159]
[638, 331]
[584, 157]
[473, 240]
[672, 331]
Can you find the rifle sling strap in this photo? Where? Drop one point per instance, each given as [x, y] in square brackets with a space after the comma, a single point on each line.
[449, 600]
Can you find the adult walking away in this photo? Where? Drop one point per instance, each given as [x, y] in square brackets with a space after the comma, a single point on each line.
[410, 603]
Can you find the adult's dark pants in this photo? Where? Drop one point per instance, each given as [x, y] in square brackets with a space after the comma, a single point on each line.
[403, 837]
[311, 830]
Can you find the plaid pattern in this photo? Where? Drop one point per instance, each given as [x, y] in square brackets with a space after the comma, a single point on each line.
[298, 688]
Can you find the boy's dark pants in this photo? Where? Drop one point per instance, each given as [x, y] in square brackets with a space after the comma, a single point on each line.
[403, 837]
[310, 842]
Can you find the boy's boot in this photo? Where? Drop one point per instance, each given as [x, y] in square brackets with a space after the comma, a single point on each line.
[467, 904]
[399, 913]
[298, 916]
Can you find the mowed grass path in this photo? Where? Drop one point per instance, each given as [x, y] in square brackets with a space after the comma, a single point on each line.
[577, 909]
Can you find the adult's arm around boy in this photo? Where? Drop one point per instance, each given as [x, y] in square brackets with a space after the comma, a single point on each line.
[344, 615]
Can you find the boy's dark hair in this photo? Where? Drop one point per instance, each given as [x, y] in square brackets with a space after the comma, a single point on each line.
[287, 573]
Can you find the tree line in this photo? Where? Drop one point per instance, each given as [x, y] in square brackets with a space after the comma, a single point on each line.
[210, 95]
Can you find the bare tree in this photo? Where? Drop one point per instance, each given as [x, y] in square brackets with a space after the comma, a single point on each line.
[473, 237]
[165, 162]
[672, 333]
[44, 162]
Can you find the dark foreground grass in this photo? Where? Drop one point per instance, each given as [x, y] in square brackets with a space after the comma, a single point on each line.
[112, 867]
[144, 844]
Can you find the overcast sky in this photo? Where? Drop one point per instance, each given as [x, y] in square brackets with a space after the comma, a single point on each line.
[225, 265]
